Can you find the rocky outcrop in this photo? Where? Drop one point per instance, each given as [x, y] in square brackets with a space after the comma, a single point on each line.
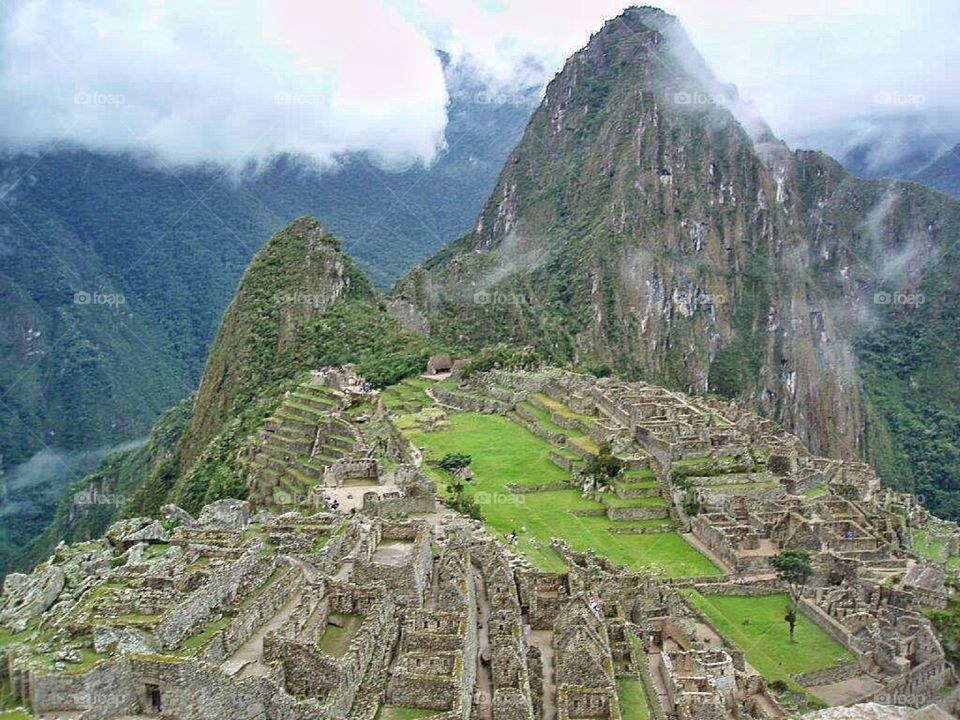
[873, 711]
[226, 514]
[26, 596]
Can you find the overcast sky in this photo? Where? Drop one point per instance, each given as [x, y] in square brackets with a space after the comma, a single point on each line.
[228, 81]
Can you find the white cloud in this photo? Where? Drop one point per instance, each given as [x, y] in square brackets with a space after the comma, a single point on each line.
[220, 81]
[810, 66]
[201, 80]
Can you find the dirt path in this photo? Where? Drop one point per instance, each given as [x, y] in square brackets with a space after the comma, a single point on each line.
[767, 707]
[848, 691]
[247, 661]
[653, 660]
[544, 641]
[484, 675]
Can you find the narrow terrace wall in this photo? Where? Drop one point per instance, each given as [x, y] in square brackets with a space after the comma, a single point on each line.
[250, 619]
[222, 589]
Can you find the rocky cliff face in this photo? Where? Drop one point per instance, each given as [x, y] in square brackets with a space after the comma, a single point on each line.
[641, 225]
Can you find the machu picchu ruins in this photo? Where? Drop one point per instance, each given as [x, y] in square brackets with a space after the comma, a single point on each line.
[617, 565]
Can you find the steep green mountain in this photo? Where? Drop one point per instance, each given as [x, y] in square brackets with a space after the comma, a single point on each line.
[172, 245]
[301, 304]
[640, 226]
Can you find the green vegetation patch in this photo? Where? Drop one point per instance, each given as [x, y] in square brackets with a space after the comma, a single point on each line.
[633, 701]
[505, 454]
[756, 625]
[336, 638]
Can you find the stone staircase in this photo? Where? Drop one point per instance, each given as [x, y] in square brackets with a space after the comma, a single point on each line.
[295, 445]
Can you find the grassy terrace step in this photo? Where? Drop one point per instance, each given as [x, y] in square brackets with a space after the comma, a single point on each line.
[282, 454]
[287, 444]
[318, 391]
[614, 500]
[542, 418]
[554, 406]
[582, 445]
[317, 399]
[756, 625]
[453, 388]
[636, 484]
[746, 487]
[505, 454]
[290, 413]
[309, 411]
[313, 472]
[639, 474]
[269, 461]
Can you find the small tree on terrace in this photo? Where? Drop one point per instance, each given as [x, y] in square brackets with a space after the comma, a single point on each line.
[795, 570]
[604, 466]
[455, 462]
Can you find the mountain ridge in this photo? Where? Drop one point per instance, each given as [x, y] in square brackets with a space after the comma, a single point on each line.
[639, 225]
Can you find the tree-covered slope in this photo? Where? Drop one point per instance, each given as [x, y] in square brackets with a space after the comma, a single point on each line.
[639, 225]
[301, 304]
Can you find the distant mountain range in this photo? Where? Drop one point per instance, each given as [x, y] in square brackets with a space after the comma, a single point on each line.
[905, 147]
[115, 270]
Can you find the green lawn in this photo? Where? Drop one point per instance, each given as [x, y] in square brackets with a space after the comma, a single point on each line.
[756, 626]
[506, 454]
[633, 701]
[336, 638]
[932, 548]
[18, 714]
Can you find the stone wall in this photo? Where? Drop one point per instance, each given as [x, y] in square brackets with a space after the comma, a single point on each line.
[651, 512]
[221, 590]
[395, 505]
[190, 690]
[251, 618]
[105, 691]
[830, 675]
[351, 469]
[827, 624]
[470, 403]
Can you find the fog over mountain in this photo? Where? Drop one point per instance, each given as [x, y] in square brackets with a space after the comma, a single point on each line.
[242, 82]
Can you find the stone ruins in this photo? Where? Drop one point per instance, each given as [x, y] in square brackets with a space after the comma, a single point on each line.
[344, 587]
